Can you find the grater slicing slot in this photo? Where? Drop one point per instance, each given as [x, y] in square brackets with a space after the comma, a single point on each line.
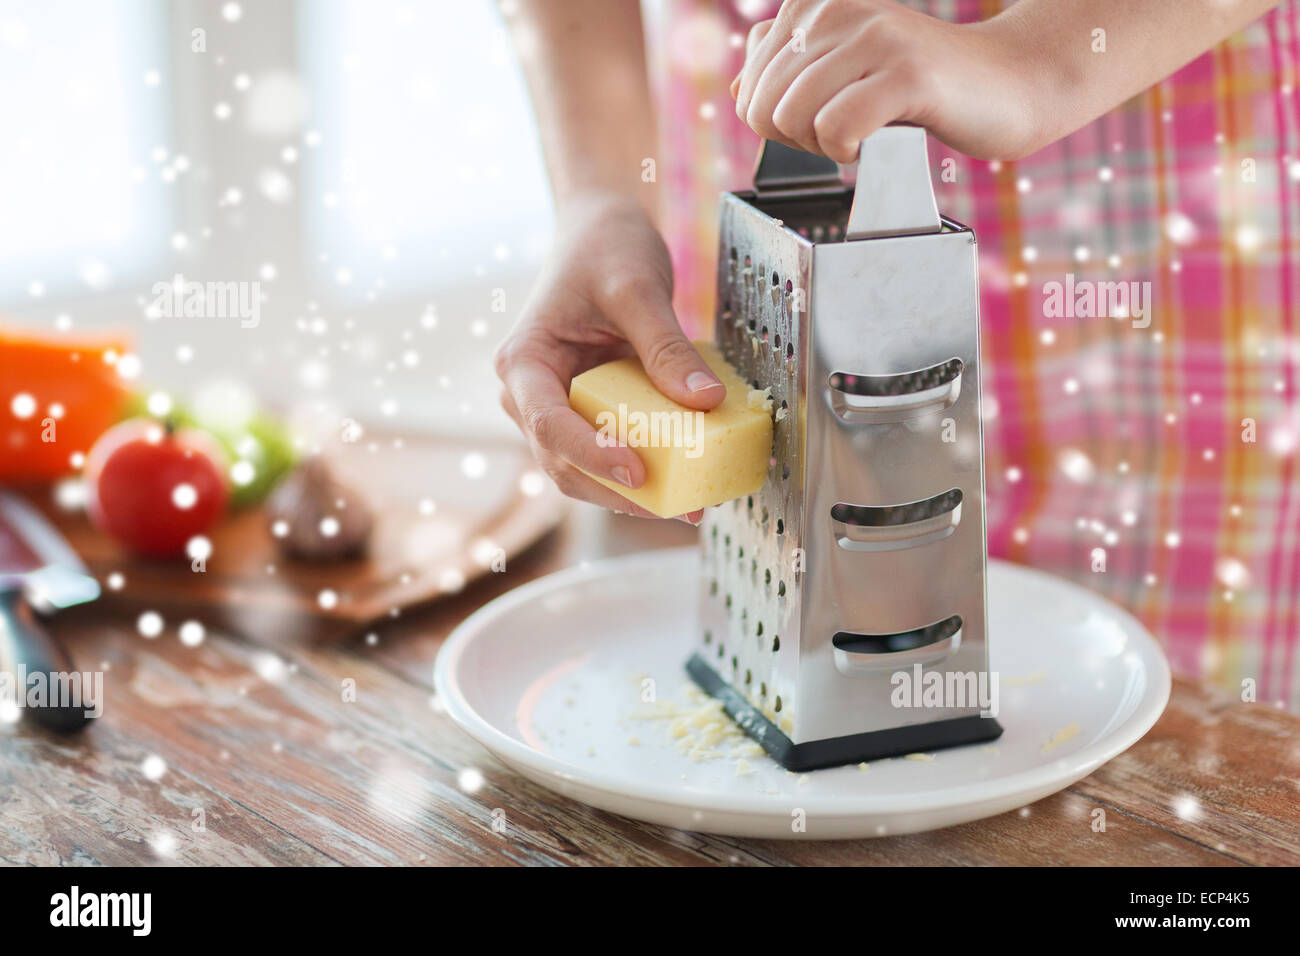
[881, 399]
[866, 655]
[894, 527]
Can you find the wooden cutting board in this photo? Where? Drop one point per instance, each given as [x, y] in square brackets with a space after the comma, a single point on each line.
[446, 512]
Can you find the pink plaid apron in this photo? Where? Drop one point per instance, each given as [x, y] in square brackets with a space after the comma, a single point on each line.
[1168, 449]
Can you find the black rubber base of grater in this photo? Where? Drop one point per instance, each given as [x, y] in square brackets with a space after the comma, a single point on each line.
[855, 748]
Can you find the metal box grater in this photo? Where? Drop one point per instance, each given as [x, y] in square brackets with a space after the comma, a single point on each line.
[863, 555]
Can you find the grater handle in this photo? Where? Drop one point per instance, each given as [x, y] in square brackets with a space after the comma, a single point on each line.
[893, 195]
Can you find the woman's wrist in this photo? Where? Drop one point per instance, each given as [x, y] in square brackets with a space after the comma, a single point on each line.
[596, 199]
[1028, 80]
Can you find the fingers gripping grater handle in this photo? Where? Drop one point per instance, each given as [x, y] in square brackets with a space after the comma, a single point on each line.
[858, 570]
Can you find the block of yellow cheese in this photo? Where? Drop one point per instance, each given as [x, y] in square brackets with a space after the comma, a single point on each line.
[692, 459]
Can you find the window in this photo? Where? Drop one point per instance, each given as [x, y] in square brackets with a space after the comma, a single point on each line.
[83, 204]
[428, 166]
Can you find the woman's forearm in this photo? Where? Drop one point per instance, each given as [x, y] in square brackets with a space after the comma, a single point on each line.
[586, 68]
[1081, 74]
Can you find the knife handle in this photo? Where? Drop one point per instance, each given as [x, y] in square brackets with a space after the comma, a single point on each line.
[26, 648]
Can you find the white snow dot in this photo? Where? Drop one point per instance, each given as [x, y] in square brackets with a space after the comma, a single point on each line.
[153, 767]
[1232, 573]
[23, 405]
[275, 186]
[115, 581]
[163, 844]
[280, 528]
[327, 599]
[532, 483]
[470, 780]
[192, 633]
[1173, 539]
[198, 548]
[159, 403]
[149, 624]
[270, 668]
[1076, 465]
[242, 472]
[184, 496]
[1179, 228]
[128, 366]
[1186, 807]
[473, 465]
[70, 494]
[329, 526]
[231, 12]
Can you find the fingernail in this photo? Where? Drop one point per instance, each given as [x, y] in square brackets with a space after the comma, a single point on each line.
[699, 381]
[622, 475]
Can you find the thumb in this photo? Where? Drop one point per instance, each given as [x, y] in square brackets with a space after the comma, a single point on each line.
[669, 357]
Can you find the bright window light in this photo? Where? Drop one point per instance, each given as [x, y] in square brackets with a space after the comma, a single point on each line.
[427, 167]
[83, 112]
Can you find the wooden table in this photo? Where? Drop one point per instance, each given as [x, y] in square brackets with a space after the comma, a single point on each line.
[266, 763]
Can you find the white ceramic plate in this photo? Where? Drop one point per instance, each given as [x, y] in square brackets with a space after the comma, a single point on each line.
[550, 678]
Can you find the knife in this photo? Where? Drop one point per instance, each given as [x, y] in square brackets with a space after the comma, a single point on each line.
[38, 570]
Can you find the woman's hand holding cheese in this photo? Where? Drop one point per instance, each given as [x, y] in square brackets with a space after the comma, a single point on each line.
[605, 294]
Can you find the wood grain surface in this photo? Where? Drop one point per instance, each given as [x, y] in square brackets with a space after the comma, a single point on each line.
[264, 762]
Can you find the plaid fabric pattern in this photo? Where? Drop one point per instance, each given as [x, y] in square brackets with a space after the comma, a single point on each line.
[1170, 447]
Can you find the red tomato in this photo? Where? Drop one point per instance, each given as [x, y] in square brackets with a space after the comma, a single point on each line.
[153, 489]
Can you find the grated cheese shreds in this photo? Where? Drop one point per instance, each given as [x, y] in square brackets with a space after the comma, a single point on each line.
[1060, 737]
[701, 728]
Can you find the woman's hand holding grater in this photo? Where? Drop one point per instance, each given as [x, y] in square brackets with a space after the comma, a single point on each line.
[825, 74]
[605, 293]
